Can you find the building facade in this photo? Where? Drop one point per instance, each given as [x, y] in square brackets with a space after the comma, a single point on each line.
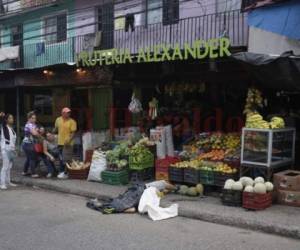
[41, 40]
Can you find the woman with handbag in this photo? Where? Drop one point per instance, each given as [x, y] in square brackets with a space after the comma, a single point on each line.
[28, 145]
[8, 148]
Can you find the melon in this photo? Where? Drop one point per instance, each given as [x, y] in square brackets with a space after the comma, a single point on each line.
[259, 180]
[269, 186]
[192, 191]
[260, 188]
[200, 189]
[249, 189]
[238, 186]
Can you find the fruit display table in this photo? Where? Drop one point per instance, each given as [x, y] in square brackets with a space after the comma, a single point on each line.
[267, 149]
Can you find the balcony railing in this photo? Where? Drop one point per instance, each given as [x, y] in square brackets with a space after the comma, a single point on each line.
[10, 7]
[232, 25]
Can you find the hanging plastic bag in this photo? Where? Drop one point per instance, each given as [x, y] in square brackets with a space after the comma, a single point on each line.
[135, 105]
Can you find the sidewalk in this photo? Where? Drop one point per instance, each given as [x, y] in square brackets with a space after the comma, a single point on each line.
[281, 220]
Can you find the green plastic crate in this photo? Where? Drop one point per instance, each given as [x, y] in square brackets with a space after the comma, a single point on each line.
[115, 178]
[207, 177]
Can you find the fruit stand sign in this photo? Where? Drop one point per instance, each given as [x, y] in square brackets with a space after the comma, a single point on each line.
[200, 49]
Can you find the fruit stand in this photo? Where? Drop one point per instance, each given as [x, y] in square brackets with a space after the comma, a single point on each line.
[211, 160]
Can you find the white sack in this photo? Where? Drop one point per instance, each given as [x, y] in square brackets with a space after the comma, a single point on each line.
[169, 141]
[98, 165]
[86, 143]
[149, 203]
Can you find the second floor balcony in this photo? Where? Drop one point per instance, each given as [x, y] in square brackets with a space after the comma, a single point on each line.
[12, 7]
[232, 25]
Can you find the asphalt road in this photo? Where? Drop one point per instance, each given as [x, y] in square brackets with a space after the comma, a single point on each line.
[32, 219]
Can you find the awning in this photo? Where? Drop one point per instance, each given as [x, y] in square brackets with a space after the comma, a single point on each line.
[272, 71]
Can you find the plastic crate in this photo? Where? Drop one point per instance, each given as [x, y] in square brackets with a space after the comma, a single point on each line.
[206, 177]
[191, 176]
[141, 175]
[78, 174]
[254, 201]
[176, 175]
[115, 178]
[141, 165]
[221, 178]
[232, 198]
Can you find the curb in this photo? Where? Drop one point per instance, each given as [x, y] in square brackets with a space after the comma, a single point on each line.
[276, 229]
[285, 231]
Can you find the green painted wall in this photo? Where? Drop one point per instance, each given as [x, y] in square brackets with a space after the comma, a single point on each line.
[32, 28]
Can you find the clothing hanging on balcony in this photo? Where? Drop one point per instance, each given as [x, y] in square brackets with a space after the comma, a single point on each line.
[129, 22]
[40, 49]
[9, 53]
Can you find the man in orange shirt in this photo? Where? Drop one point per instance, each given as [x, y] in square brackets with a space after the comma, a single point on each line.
[66, 127]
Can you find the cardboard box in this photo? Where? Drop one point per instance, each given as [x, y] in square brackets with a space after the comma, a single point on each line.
[287, 180]
[290, 198]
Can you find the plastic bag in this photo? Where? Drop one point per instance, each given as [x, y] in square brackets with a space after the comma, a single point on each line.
[98, 165]
[135, 105]
[149, 203]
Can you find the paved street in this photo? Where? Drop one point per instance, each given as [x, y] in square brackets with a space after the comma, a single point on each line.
[33, 219]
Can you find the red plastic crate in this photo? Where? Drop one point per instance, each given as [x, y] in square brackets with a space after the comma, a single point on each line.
[256, 201]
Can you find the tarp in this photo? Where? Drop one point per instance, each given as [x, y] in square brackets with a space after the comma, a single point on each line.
[275, 72]
[286, 23]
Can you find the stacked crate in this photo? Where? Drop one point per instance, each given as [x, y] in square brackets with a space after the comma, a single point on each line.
[287, 187]
[162, 167]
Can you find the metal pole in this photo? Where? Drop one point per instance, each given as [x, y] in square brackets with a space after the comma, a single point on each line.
[18, 115]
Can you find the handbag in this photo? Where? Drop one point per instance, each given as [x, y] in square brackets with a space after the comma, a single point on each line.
[11, 154]
[38, 148]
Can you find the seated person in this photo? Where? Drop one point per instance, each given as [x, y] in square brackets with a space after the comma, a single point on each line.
[52, 153]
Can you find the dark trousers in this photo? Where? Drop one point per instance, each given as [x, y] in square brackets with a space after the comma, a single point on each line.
[31, 157]
[129, 22]
[50, 164]
[62, 161]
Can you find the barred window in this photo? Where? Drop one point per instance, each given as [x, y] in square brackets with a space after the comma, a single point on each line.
[56, 29]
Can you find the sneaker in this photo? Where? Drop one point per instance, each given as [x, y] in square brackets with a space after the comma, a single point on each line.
[34, 176]
[25, 174]
[3, 187]
[49, 176]
[62, 175]
[12, 184]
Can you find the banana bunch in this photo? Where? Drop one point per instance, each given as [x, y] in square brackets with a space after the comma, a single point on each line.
[254, 100]
[277, 122]
[255, 120]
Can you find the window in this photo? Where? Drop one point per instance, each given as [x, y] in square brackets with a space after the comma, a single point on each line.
[154, 14]
[42, 104]
[223, 6]
[17, 35]
[170, 11]
[56, 29]
[105, 26]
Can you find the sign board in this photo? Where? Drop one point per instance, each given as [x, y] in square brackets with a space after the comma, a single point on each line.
[200, 49]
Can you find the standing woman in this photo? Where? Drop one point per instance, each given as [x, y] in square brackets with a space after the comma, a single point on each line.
[8, 148]
[31, 132]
